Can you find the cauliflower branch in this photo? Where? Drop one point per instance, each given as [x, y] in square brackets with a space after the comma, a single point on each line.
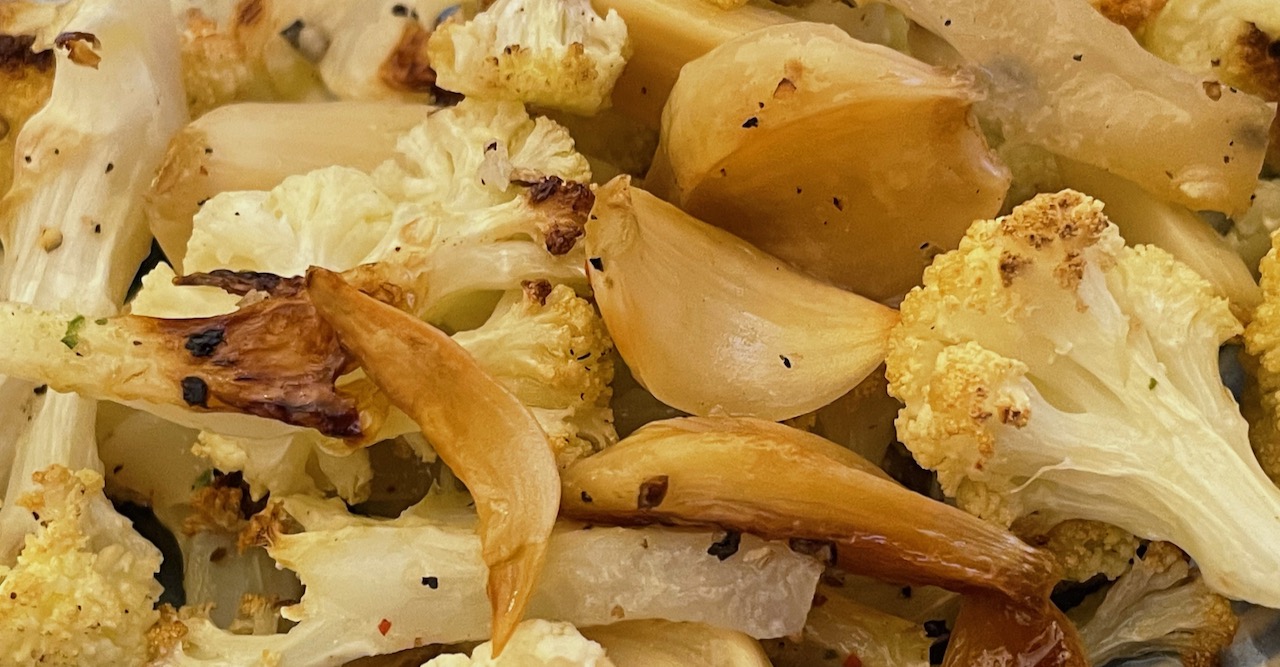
[558, 54]
[378, 586]
[1045, 367]
[81, 592]
[1160, 606]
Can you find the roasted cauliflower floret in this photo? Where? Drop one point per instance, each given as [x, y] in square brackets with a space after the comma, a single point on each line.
[81, 592]
[1161, 605]
[558, 54]
[1047, 368]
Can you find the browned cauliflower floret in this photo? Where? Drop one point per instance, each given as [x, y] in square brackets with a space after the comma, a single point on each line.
[1084, 549]
[558, 54]
[1047, 368]
[1160, 606]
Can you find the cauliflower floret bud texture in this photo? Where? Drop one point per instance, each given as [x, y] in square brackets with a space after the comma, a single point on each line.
[1045, 367]
[558, 54]
[81, 592]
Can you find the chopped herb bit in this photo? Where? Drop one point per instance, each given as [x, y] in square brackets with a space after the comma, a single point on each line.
[1151, 384]
[195, 391]
[431, 582]
[72, 337]
[727, 546]
[205, 479]
[652, 492]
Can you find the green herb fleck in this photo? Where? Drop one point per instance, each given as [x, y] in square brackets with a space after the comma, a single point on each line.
[1152, 384]
[100, 321]
[205, 479]
[72, 338]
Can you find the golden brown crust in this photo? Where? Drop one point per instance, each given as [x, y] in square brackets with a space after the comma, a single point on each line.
[274, 358]
[565, 206]
[1132, 14]
[408, 67]
[1260, 59]
[80, 48]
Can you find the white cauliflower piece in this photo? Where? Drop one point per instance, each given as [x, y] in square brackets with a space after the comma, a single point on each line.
[536, 643]
[549, 347]
[1161, 605]
[81, 592]
[558, 54]
[1047, 368]
[330, 217]
[378, 586]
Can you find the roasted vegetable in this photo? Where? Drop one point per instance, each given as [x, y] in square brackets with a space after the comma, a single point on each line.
[708, 323]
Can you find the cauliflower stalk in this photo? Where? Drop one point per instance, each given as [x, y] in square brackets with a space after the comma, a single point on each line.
[377, 586]
[1045, 367]
[557, 54]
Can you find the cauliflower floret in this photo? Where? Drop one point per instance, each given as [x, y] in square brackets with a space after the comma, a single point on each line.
[1160, 606]
[549, 347]
[1047, 368]
[1083, 548]
[1262, 342]
[468, 157]
[302, 463]
[330, 217]
[536, 643]
[81, 592]
[558, 54]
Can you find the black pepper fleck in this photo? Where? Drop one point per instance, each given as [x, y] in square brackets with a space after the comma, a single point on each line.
[751, 122]
[41, 390]
[934, 629]
[838, 203]
[586, 497]
[431, 582]
[597, 263]
[947, 23]
[1078, 57]
[785, 361]
[110, 167]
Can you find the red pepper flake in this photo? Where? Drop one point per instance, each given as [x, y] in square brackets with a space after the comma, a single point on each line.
[852, 661]
[384, 626]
